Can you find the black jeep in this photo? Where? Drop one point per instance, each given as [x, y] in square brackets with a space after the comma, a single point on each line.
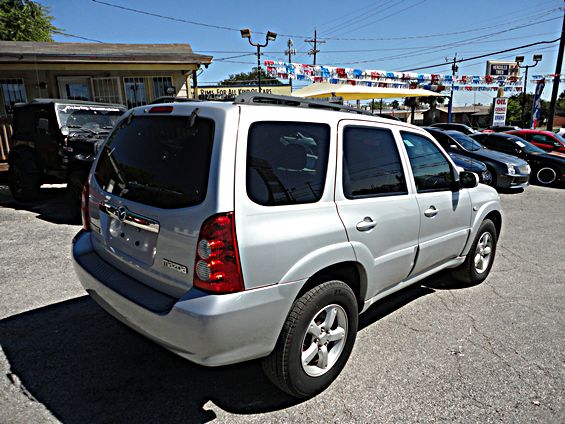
[55, 141]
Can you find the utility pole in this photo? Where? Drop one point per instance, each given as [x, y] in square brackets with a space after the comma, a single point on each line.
[556, 78]
[454, 68]
[316, 42]
[290, 51]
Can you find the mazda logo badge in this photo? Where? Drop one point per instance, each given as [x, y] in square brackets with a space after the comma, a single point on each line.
[122, 213]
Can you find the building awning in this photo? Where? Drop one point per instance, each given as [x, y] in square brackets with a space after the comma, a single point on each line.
[359, 92]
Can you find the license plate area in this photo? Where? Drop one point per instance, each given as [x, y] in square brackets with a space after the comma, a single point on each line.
[132, 241]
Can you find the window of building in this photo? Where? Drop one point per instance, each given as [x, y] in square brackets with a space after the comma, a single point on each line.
[371, 163]
[287, 162]
[75, 88]
[135, 91]
[13, 91]
[431, 169]
[107, 90]
[162, 86]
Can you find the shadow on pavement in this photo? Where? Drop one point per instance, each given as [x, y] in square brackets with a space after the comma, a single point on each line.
[52, 206]
[85, 366]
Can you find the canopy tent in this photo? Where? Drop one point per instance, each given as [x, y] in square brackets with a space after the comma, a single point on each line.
[359, 92]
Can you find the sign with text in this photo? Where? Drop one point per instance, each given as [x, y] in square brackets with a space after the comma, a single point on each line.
[499, 111]
[228, 92]
[499, 68]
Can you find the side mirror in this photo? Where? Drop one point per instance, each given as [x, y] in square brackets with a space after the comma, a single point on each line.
[43, 124]
[468, 179]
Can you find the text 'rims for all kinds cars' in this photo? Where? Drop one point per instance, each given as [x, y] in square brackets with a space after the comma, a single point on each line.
[324, 340]
[483, 252]
[546, 175]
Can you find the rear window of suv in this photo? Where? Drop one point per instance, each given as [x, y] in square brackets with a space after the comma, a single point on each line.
[161, 161]
[287, 162]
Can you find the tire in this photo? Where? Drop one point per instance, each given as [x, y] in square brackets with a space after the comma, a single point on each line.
[75, 182]
[546, 176]
[480, 258]
[304, 337]
[24, 184]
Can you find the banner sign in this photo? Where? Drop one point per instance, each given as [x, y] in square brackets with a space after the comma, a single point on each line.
[227, 92]
[499, 111]
[536, 107]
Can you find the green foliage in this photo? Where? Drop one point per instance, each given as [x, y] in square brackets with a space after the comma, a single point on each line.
[514, 111]
[394, 104]
[560, 105]
[250, 78]
[25, 20]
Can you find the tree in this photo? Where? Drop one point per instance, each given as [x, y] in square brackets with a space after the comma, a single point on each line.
[250, 78]
[412, 103]
[514, 110]
[394, 104]
[431, 101]
[560, 105]
[25, 20]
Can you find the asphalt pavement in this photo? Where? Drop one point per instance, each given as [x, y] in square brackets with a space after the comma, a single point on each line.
[434, 352]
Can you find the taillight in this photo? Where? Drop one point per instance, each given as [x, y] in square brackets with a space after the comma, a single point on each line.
[161, 109]
[84, 206]
[216, 266]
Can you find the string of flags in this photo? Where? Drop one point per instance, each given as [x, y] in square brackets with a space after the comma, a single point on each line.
[379, 78]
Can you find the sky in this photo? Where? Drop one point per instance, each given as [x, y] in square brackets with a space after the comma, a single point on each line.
[390, 35]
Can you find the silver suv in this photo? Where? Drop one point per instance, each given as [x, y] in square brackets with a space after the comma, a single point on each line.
[262, 228]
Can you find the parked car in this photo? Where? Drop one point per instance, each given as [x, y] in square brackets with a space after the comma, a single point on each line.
[472, 165]
[547, 168]
[546, 140]
[262, 228]
[501, 128]
[54, 141]
[508, 172]
[561, 132]
[465, 129]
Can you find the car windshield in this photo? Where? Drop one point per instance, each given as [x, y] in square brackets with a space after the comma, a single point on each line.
[88, 116]
[560, 138]
[526, 146]
[467, 142]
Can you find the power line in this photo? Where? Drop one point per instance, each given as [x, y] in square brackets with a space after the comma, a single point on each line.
[77, 36]
[485, 55]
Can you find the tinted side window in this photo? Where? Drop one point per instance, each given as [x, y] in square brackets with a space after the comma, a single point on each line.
[431, 169]
[371, 163]
[286, 162]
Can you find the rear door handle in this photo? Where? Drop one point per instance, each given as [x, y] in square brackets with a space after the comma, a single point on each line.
[431, 211]
[366, 225]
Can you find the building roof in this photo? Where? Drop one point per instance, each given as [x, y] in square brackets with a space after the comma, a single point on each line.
[476, 110]
[35, 52]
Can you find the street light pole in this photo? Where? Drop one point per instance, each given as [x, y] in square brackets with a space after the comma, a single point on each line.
[454, 68]
[519, 60]
[271, 36]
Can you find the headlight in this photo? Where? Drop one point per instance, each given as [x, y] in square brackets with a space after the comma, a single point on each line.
[511, 170]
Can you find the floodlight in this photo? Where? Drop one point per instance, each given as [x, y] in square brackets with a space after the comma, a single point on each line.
[537, 57]
[245, 33]
[271, 35]
[519, 59]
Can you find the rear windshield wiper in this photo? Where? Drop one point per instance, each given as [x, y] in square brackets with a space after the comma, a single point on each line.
[135, 184]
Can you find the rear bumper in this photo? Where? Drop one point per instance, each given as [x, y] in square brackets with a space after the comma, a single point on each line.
[208, 329]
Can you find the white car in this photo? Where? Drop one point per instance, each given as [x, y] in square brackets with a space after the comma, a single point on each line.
[262, 228]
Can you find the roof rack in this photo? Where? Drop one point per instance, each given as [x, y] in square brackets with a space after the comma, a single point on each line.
[250, 98]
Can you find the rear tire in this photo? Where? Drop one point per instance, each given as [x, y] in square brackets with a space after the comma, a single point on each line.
[316, 340]
[480, 258]
[24, 183]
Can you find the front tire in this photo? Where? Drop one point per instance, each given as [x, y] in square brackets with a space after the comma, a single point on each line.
[480, 258]
[316, 340]
[546, 176]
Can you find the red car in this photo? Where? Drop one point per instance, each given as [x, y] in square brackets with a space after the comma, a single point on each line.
[545, 140]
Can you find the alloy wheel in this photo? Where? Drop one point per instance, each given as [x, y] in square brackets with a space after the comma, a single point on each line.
[324, 340]
[483, 252]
